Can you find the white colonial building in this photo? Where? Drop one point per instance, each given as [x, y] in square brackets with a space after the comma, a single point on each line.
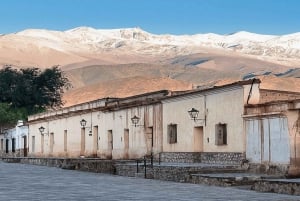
[14, 141]
[101, 128]
[224, 124]
[218, 124]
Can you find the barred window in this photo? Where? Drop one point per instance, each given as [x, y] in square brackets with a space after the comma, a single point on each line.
[221, 134]
[172, 133]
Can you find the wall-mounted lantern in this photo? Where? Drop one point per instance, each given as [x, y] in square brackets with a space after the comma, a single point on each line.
[42, 129]
[135, 120]
[193, 114]
[83, 123]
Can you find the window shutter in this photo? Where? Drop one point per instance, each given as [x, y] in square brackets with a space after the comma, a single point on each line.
[221, 134]
[172, 133]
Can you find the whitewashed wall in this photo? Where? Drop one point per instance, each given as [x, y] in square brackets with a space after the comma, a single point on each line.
[98, 145]
[268, 140]
[220, 106]
[138, 142]
[294, 136]
[64, 137]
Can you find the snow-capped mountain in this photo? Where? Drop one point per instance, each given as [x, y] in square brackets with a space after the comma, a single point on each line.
[137, 41]
[95, 58]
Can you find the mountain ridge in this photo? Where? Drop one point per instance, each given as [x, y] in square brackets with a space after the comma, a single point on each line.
[80, 40]
[129, 61]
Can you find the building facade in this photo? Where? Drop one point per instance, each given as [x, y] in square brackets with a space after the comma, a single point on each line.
[108, 131]
[273, 135]
[217, 128]
[14, 141]
[226, 124]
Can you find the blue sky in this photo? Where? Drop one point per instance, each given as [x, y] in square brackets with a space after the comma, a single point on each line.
[156, 16]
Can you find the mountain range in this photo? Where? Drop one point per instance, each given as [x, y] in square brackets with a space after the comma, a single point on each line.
[123, 62]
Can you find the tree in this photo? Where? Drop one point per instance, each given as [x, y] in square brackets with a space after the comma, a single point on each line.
[50, 86]
[30, 90]
[8, 77]
[23, 93]
[9, 116]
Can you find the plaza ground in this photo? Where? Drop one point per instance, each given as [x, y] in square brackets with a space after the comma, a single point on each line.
[29, 182]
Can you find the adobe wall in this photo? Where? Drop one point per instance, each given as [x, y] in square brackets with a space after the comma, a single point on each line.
[272, 96]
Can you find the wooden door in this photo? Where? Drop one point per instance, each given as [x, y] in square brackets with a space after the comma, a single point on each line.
[25, 146]
[110, 143]
[82, 144]
[126, 143]
[95, 141]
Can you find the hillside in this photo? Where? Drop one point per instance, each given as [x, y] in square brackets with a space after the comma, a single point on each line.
[122, 88]
[99, 63]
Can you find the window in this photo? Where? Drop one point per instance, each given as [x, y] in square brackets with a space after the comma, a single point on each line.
[221, 134]
[172, 133]
[110, 139]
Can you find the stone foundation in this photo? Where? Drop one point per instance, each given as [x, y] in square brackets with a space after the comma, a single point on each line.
[180, 157]
[17, 153]
[228, 158]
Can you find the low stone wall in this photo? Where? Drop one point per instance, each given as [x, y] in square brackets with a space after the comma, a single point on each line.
[17, 153]
[12, 160]
[284, 187]
[184, 173]
[134, 169]
[224, 180]
[91, 165]
[51, 162]
[278, 169]
[127, 170]
[172, 173]
[180, 157]
[228, 158]
[99, 166]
